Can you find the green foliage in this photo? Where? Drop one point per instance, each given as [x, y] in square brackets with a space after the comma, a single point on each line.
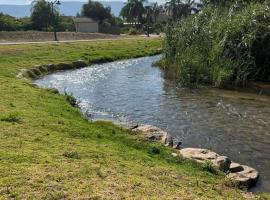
[178, 8]
[132, 31]
[96, 11]
[42, 17]
[9, 23]
[66, 24]
[133, 11]
[220, 45]
[208, 166]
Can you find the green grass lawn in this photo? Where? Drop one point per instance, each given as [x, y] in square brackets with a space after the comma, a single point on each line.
[49, 151]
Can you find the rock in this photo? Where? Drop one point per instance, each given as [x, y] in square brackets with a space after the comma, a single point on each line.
[51, 67]
[197, 154]
[177, 144]
[151, 132]
[204, 155]
[223, 163]
[42, 69]
[22, 73]
[247, 177]
[134, 127]
[64, 66]
[235, 167]
[36, 72]
[167, 140]
[79, 64]
[174, 154]
[159, 50]
[30, 74]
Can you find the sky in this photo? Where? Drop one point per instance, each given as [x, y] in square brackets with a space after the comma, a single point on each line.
[22, 2]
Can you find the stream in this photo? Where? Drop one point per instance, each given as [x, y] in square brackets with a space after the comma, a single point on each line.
[235, 124]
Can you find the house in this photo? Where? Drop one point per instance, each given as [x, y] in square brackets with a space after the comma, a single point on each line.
[86, 25]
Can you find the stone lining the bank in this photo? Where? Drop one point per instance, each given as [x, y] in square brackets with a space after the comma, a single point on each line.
[242, 175]
[41, 70]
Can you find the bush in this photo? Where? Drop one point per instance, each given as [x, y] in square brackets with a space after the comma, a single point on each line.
[132, 31]
[220, 45]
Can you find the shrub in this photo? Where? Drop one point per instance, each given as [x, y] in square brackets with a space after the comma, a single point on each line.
[220, 45]
[132, 31]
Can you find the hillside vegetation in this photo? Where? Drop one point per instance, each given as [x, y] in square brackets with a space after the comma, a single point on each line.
[227, 43]
[49, 151]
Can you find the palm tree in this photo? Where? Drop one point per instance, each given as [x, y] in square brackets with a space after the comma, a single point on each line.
[133, 11]
[156, 11]
[178, 8]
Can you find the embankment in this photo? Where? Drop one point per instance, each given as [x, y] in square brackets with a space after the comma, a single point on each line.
[49, 151]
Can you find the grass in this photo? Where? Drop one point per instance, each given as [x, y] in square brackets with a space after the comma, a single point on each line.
[54, 153]
[225, 45]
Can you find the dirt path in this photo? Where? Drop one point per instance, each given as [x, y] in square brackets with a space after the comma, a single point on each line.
[15, 38]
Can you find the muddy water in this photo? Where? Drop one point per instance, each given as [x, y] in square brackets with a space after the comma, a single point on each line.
[232, 123]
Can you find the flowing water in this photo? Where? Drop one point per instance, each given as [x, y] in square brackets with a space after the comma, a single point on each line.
[235, 124]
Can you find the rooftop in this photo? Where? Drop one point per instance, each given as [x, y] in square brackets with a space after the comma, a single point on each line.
[83, 19]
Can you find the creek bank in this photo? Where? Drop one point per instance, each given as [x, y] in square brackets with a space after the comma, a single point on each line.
[243, 176]
[45, 69]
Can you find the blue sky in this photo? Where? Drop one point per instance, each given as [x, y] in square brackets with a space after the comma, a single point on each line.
[21, 2]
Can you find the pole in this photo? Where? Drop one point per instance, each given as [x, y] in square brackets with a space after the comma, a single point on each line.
[54, 22]
[148, 20]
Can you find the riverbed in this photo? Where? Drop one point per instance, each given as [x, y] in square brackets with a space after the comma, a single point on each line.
[232, 123]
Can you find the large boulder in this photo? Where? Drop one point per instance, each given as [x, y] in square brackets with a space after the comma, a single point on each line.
[204, 155]
[156, 134]
[247, 177]
[151, 132]
[236, 167]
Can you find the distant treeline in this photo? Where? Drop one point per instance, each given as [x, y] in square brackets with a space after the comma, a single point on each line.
[44, 18]
[9, 23]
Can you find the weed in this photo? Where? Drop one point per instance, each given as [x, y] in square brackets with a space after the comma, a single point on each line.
[208, 166]
[71, 154]
[154, 150]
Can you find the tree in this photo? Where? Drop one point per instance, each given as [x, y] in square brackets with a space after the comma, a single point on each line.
[7, 23]
[178, 9]
[156, 9]
[41, 15]
[133, 11]
[96, 11]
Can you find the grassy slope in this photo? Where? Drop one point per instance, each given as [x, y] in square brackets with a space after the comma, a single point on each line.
[53, 153]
